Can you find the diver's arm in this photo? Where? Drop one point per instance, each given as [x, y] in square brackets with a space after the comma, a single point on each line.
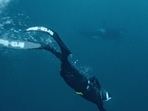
[100, 106]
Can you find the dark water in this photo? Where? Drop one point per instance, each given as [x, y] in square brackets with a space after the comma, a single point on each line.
[30, 80]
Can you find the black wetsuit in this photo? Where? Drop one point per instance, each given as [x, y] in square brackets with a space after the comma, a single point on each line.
[89, 88]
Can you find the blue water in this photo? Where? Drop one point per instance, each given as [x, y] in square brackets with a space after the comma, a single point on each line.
[30, 80]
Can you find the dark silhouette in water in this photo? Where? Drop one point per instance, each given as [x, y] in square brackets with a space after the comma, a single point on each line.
[103, 33]
[88, 88]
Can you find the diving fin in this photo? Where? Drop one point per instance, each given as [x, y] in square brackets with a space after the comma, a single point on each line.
[15, 44]
[52, 34]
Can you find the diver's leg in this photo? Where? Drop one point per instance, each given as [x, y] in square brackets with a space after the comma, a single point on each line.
[64, 50]
[52, 50]
[101, 108]
[35, 45]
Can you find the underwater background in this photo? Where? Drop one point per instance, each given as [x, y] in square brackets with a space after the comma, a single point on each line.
[30, 80]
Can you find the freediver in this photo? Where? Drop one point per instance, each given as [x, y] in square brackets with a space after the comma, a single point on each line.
[88, 88]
